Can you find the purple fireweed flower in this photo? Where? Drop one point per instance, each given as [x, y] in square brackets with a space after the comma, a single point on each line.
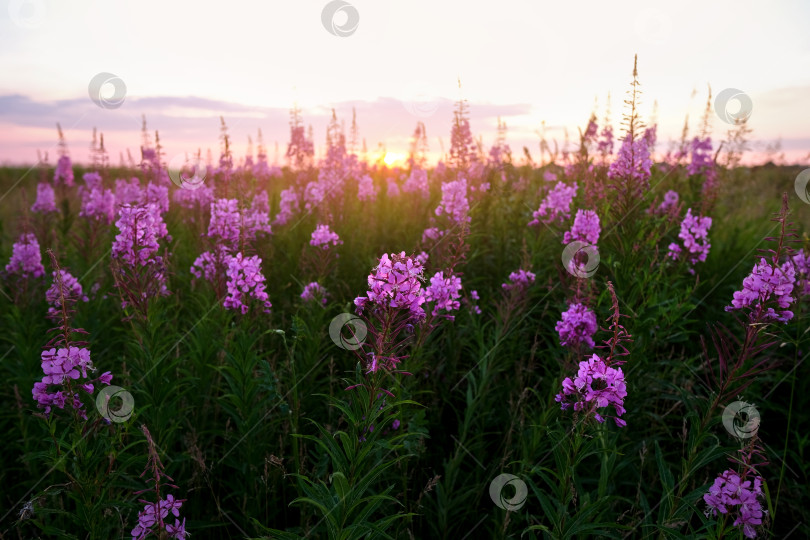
[314, 292]
[97, 203]
[128, 191]
[670, 200]
[71, 291]
[417, 182]
[605, 144]
[323, 236]
[157, 195]
[650, 136]
[556, 206]
[288, 207]
[702, 160]
[152, 519]
[205, 266]
[801, 262]
[366, 190]
[64, 171]
[549, 176]
[633, 162]
[590, 131]
[729, 491]
[519, 280]
[245, 279]
[257, 217]
[140, 229]
[26, 259]
[454, 201]
[578, 325]
[202, 196]
[596, 386]
[431, 234]
[314, 193]
[92, 180]
[395, 282]
[392, 189]
[225, 221]
[472, 302]
[139, 268]
[695, 236]
[767, 283]
[444, 293]
[586, 228]
[61, 366]
[46, 199]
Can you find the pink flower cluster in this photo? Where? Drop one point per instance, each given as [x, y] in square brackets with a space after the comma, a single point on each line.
[396, 282]
[225, 222]
[46, 199]
[596, 386]
[586, 228]
[431, 234]
[670, 200]
[695, 236]
[314, 292]
[288, 207]
[366, 191]
[801, 262]
[444, 293]
[633, 162]
[205, 266]
[71, 291]
[245, 279]
[730, 490]
[605, 144]
[61, 366]
[26, 259]
[702, 160]
[767, 283]
[578, 325]
[454, 201]
[257, 217]
[64, 171]
[519, 280]
[154, 514]
[417, 182]
[556, 206]
[322, 236]
[97, 203]
[202, 195]
[140, 229]
[157, 195]
[128, 191]
[472, 302]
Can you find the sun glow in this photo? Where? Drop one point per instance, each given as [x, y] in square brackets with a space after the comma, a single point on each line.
[394, 158]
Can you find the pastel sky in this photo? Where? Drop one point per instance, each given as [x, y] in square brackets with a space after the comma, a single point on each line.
[187, 63]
